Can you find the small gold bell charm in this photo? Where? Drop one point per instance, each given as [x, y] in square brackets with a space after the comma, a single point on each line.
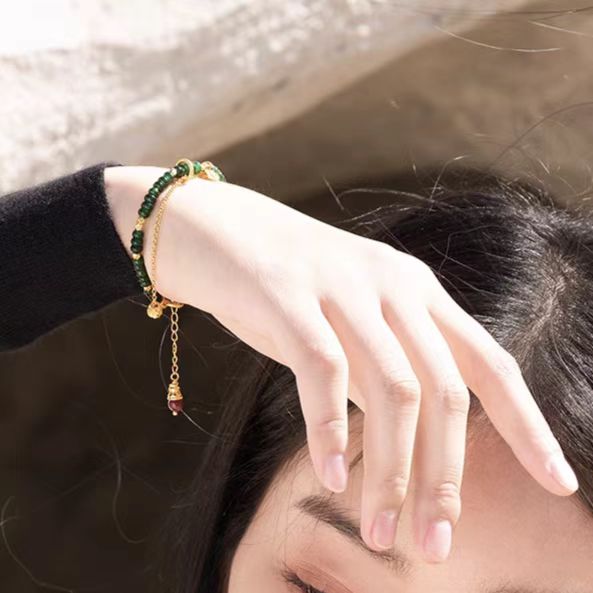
[174, 398]
[155, 309]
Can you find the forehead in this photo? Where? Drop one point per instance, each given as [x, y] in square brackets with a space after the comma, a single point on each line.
[510, 530]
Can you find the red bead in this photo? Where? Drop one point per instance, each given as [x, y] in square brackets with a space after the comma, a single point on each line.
[175, 406]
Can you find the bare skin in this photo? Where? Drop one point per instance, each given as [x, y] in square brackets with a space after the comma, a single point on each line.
[352, 318]
[511, 533]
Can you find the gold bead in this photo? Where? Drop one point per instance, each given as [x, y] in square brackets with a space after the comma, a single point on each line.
[154, 310]
[136, 256]
[140, 224]
[148, 288]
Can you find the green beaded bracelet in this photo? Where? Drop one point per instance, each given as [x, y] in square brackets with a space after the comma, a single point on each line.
[205, 170]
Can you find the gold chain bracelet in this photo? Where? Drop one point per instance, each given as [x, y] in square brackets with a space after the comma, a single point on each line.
[156, 307]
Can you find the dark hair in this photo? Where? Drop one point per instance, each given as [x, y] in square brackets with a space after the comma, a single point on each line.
[516, 261]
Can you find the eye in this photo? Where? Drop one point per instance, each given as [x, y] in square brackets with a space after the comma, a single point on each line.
[291, 578]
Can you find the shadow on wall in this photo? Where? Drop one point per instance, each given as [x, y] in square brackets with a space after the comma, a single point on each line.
[514, 93]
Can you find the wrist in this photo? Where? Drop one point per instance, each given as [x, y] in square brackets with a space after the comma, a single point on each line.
[125, 188]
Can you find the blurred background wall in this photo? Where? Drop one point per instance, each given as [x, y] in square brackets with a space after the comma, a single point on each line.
[298, 100]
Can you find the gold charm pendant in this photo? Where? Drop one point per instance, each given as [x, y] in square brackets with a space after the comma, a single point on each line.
[155, 309]
[174, 398]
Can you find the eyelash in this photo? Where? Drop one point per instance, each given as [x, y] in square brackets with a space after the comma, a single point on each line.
[291, 577]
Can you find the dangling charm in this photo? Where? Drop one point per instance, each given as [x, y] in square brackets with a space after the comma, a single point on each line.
[175, 398]
[155, 309]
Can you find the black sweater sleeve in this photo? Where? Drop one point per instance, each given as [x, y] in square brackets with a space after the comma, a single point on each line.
[60, 255]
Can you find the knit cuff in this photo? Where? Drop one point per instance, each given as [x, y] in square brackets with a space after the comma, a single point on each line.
[60, 255]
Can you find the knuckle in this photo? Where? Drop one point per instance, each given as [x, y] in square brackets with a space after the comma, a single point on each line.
[504, 364]
[453, 396]
[394, 487]
[447, 497]
[323, 357]
[381, 251]
[401, 390]
[330, 426]
[330, 362]
[423, 271]
[541, 439]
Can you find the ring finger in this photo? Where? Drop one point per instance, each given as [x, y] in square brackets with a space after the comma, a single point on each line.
[441, 435]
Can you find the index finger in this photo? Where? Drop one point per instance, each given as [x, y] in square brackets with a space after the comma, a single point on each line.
[495, 377]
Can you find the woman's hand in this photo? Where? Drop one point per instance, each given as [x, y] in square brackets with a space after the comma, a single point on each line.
[353, 318]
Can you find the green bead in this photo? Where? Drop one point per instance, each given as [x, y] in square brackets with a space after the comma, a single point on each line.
[153, 192]
[184, 168]
[144, 211]
[136, 248]
[140, 266]
[167, 177]
[197, 167]
[138, 234]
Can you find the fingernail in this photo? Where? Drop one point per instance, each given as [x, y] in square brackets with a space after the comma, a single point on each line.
[437, 542]
[562, 472]
[383, 532]
[335, 475]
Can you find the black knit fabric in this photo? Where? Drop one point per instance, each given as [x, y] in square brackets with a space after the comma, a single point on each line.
[60, 255]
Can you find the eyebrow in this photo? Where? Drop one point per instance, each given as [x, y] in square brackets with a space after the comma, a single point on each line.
[330, 512]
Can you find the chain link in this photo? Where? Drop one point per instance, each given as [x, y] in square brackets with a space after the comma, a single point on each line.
[174, 341]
